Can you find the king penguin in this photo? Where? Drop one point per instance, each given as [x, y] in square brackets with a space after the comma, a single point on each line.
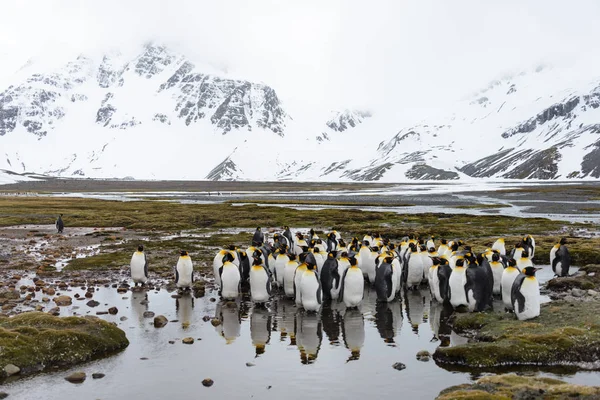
[415, 268]
[60, 225]
[443, 276]
[524, 261]
[364, 258]
[184, 271]
[139, 266]
[353, 284]
[525, 295]
[244, 267]
[288, 235]
[385, 282]
[497, 270]
[560, 259]
[330, 277]
[280, 263]
[310, 287]
[298, 274]
[479, 286]
[230, 278]
[218, 263]
[457, 282]
[499, 246]
[509, 275]
[260, 282]
[258, 238]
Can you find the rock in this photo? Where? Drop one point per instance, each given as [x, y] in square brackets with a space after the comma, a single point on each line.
[171, 342]
[54, 311]
[101, 312]
[160, 321]
[11, 369]
[148, 314]
[98, 375]
[89, 295]
[113, 311]
[175, 296]
[123, 318]
[3, 395]
[207, 382]
[46, 299]
[39, 307]
[50, 292]
[63, 300]
[592, 292]
[399, 366]
[578, 292]
[206, 318]
[76, 377]
[423, 355]
[215, 322]
[188, 340]
[92, 303]
[249, 364]
[121, 290]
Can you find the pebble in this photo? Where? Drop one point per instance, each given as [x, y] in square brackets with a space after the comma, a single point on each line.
[578, 292]
[54, 311]
[76, 377]
[3, 395]
[188, 340]
[98, 375]
[92, 303]
[207, 382]
[101, 312]
[148, 314]
[63, 300]
[160, 321]
[123, 318]
[399, 366]
[206, 318]
[50, 292]
[423, 355]
[113, 311]
[215, 322]
[249, 364]
[11, 369]
[592, 292]
[171, 342]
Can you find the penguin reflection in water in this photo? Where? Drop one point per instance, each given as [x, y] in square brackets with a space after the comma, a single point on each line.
[353, 331]
[231, 321]
[309, 335]
[260, 329]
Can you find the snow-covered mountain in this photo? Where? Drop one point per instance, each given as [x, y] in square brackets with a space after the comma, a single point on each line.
[159, 115]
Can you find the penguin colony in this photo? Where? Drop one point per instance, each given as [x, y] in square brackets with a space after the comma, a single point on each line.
[312, 270]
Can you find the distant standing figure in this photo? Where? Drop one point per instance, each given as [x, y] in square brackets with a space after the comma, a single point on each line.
[60, 225]
[139, 266]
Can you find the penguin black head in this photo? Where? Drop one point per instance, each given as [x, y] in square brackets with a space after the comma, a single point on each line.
[443, 261]
[388, 259]
[183, 253]
[310, 260]
[495, 257]
[366, 243]
[512, 262]
[413, 247]
[258, 228]
[285, 227]
[436, 260]
[299, 236]
[302, 257]
[344, 254]
[353, 261]
[423, 248]
[332, 254]
[375, 248]
[257, 254]
[530, 271]
[228, 257]
[312, 231]
[140, 248]
[342, 243]
[460, 262]
[256, 261]
[304, 249]
[563, 241]
[243, 255]
[519, 245]
[444, 241]
[431, 249]
[524, 254]
[421, 241]
[392, 246]
[292, 256]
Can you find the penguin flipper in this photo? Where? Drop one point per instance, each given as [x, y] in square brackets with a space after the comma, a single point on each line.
[343, 282]
[176, 275]
[388, 281]
[145, 266]
[336, 277]
[566, 260]
[319, 290]
[516, 295]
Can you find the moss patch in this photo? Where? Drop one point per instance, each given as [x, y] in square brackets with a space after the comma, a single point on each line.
[34, 341]
[511, 386]
[564, 333]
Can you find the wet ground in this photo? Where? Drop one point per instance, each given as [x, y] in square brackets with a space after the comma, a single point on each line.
[261, 352]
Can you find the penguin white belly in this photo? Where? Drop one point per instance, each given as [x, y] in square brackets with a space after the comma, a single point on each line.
[354, 331]
[311, 291]
[218, 263]
[530, 289]
[320, 261]
[457, 281]
[497, 271]
[523, 263]
[371, 268]
[259, 280]
[298, 275]
[280, 263]
[354, 286]
[415, 270]
[184, 271]
[364, 256]
[508, 277]
[397, 274]
[288, 278]
[230, 281]
[137, 265]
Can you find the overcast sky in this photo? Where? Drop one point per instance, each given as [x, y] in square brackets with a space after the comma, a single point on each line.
[331, 52]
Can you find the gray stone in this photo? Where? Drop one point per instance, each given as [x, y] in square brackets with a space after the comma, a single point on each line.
[188, 340]
[160, 321]
[98, 375]
[399, 366]
[207, 382]
[592, 292]
[76, 377]
[11, 369]
[578, 292]
[148, 314]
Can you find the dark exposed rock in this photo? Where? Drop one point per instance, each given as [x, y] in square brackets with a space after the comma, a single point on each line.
[399, 366]
[98, 375]
[76, 377]
[225, 171]
[160, 321]
[424, 171]
[347, 119]
[207, 382]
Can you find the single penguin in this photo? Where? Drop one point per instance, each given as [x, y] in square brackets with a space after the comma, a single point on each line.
[443, 249]
[443, 277]
[560, 259]
[288, 276]
[497, 271]
[310, 287]
[525, 295]
[342, 247]
[430, 243]
[353, 284]
[524, 261]
[184, 271]
[457, 283]
[60, 225]
[298, 275]
[230, 278]
[479, 288]
[330, 278]
[280, 262]
[434, 281]
[529, 244]
[299, 244]
[353, 331]
[312, 234]
[509, 275]
[244, 266]
[372, 264]
[218, 263]
[139, 266]
[259, 237]
[517, 251]
[499, 246]
[260, 282]
[385, 282]
[414, 269]
[332, 242]
[364, 258]
[288, 235]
